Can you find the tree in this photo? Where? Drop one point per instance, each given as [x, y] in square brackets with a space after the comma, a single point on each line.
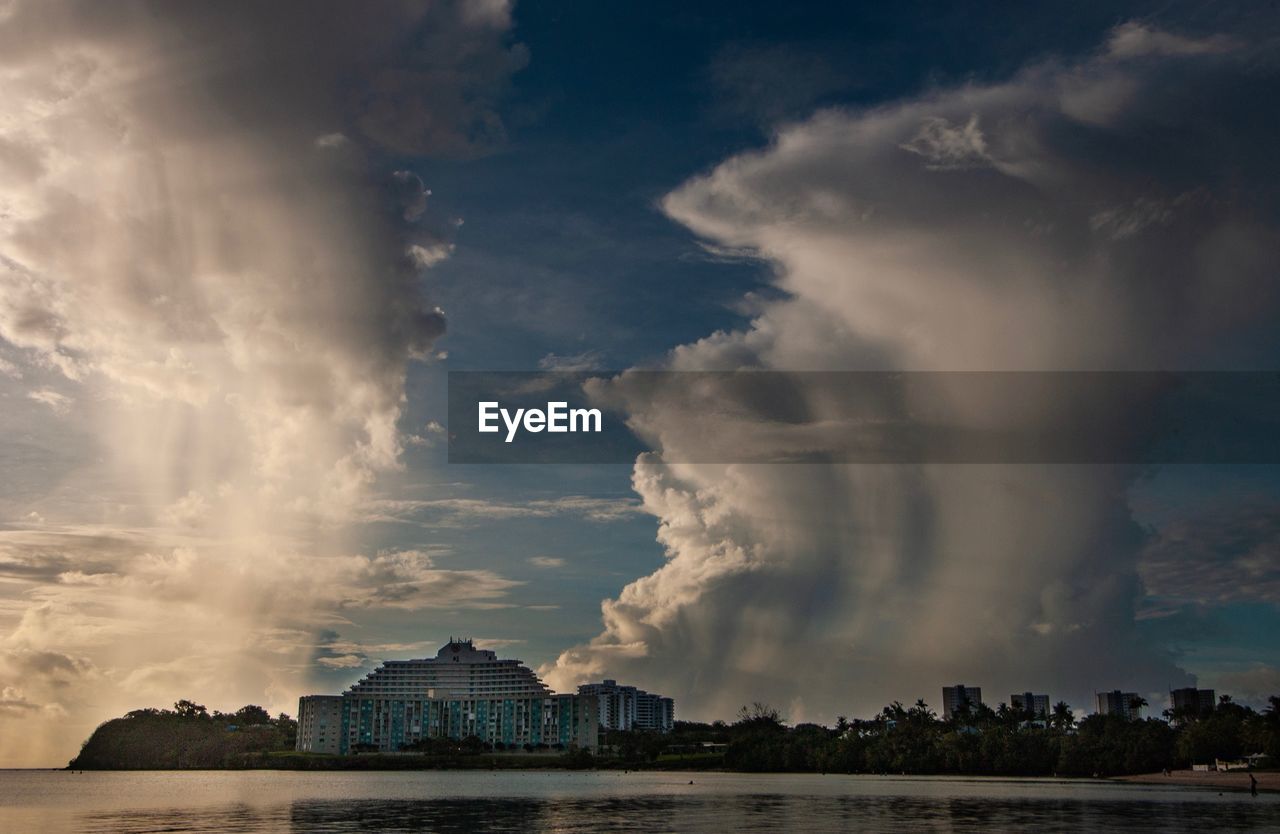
[758, 713]
[252, 714]
[1063, 719]
[190, 709]
[921, 714]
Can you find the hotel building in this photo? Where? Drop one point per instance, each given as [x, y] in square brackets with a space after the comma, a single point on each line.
[461, 692]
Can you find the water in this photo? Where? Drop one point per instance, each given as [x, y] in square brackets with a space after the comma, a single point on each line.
[560, 801]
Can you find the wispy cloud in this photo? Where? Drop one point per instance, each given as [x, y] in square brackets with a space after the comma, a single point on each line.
[464, 511]
[57, 401]
[590, 360]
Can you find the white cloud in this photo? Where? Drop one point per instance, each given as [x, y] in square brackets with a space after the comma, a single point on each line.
[59, 402]
[1136, 40]
[332, 141]
[345, 661]
[590, 360]
[425, 257]
[498, 643]
[546, 561]
[948, 147]
[408, 580]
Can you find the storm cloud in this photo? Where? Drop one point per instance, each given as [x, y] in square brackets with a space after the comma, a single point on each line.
[1113, 211]
[211, 262]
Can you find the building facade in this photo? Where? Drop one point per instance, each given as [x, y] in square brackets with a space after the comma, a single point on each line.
[319, 723]
[1035, 707]
[954, 698]
[629, 708]
[461, 692]
[1127, 705]
[1192, 701]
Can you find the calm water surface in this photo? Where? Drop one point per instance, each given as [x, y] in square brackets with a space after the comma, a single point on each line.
[558, 801]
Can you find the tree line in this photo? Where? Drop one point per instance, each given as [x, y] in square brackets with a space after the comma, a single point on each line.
[975, 740]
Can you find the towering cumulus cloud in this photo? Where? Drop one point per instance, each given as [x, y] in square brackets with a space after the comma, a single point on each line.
[1113, 212]
[218, 276]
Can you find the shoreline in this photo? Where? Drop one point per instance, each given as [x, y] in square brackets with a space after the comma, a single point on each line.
[1234, 780]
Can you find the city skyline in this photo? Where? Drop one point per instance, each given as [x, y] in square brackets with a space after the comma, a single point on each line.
[244, 245]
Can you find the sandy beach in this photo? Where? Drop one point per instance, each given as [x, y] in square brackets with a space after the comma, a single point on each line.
[1233, 780]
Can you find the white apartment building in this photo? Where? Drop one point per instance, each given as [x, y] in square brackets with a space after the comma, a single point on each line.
[629, 708]
[319, 723]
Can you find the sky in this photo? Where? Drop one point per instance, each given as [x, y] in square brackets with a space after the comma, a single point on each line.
[242, 245]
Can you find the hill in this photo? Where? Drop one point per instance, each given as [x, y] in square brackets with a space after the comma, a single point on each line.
[185, 737]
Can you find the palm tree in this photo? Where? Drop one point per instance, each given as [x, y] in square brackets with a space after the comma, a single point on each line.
[895, 711]
[1063, 718]
[921, 712]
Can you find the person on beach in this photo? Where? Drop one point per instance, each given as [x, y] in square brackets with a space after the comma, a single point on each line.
[1253, 785]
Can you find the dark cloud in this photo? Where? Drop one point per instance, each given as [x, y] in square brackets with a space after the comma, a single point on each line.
[42, 556]
[421, 78]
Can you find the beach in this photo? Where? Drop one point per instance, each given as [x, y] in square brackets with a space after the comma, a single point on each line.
[1234, 780]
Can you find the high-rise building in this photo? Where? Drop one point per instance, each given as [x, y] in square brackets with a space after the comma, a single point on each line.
[1128, 705]
[959, 697]
[461, 692]
[319, 723]
[629, 708]
[1033, 706]
[1192, 701]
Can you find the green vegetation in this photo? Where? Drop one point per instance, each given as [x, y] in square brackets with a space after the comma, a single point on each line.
[188, 736]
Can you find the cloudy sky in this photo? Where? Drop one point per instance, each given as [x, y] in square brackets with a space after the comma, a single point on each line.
[242, 245]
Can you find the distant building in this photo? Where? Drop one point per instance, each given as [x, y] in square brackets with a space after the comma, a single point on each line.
[956, 698]
[1192, 701]
[1127, 705]
[629, 708]
[461, 692]
[1035, 707]
[319, 723]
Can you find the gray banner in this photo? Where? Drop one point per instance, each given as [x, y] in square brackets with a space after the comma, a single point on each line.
[865, 417]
